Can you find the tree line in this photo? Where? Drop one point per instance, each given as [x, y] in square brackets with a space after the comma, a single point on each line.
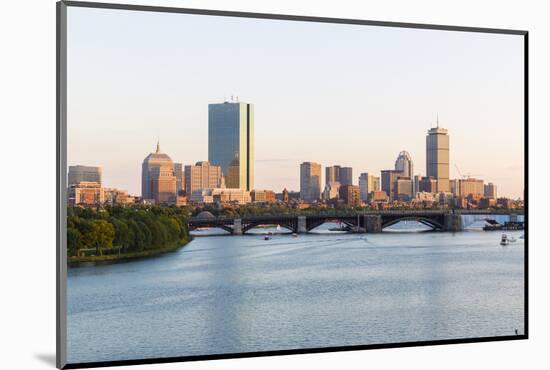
[118, 229]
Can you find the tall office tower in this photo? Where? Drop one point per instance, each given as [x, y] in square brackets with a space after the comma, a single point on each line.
[346, 176]
[84, 174]
[332, 174]
[343, 175]
[202, 175]
[310, 181]
[437, 157]
[157, 178]
[230, 132]
[389, 181]
[404, 164]
[490, 191]
[178, 173]
[427, 185]
[416, 184]
[233, 173]
[367, 184]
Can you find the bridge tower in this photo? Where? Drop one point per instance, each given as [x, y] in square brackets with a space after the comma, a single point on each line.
[237, 226]
[373, 223]
[453, 222]
[302, 225]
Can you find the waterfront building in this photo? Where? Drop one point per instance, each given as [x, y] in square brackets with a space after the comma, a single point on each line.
[404, 164]
[178, 173]
[490, 191]
[332, 190]
[437, 157]
[367, 184]
[114, 196]
[378, 196]
[157, 178]
[220, 195]
[425, 196]
[310, 181]
[86, 193]
[403, 189]
[202, 175]
[350, 194]
[230, 136]
[81, 173]
[389, 180]
[262, 196]
[471, 187]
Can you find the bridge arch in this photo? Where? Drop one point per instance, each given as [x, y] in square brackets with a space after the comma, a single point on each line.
[430, 222]
[290, 226]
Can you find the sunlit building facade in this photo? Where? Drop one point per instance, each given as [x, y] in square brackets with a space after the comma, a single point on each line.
[437, 157]
[230, 136]
[157, 178]
[310, 181]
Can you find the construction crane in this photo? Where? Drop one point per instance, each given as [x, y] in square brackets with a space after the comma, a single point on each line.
[464, 176]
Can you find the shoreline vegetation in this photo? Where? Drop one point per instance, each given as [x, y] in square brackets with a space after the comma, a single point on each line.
[114, 233]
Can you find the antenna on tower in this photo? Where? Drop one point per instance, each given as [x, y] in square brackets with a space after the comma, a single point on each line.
[437, 120]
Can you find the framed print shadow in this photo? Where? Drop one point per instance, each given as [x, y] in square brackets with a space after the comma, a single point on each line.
[239, 184]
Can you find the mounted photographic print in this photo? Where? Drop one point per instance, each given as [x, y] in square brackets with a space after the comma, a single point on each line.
[238, 184]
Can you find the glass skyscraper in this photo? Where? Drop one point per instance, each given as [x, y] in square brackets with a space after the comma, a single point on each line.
[230, 137]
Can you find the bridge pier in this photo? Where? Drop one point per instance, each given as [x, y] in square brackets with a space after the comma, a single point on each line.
[237, 226]
[373, 223]
[453, 222]
[302, 225]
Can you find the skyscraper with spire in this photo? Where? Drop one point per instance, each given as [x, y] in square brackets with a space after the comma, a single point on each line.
[437, 156]
[157, 178]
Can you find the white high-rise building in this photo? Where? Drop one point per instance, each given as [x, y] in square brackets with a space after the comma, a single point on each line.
[437, 157]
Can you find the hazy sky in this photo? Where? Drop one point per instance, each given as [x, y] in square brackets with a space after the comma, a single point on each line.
[330, 93]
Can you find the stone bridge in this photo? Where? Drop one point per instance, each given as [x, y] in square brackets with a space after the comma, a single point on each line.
[367, 221]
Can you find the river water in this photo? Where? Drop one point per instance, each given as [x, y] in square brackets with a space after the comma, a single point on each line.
[227, 294]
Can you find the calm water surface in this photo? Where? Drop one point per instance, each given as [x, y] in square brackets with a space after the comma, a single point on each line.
[223, 294]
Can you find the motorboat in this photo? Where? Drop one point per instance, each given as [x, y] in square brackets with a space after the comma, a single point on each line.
[504, 240]
[267, 237]
[294, 235]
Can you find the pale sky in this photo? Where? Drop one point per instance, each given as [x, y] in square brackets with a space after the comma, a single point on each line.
[329, 93]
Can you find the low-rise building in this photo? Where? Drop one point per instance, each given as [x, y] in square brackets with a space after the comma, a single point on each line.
[86, 193]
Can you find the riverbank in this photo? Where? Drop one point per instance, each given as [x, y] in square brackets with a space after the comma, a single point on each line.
[78, 261]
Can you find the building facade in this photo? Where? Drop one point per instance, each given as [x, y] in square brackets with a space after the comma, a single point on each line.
[332, 190]
[389, 181]
[367, 184]
[86, 193]
[351, 195]
[437, 157]
[202, 175]
[403, 189]
[471, 187]
[262, 196]
[336, 173]
[220, 195]
[80, 173]
[230, 136]
[310, 181]
[157, 178]
[178, 173]
[490, 191]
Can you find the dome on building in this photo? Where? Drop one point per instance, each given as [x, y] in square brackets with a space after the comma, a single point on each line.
[205, 214]
[404, 154]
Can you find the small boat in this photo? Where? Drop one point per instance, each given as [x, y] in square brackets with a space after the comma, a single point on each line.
[504, 240]
[512, 239]
[278, 227]
[522, 236]
[267, 237]
[294, 235]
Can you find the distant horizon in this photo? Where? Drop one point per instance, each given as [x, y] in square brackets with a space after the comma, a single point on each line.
[334, 94]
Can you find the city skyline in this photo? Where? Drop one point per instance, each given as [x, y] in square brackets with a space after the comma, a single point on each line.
[355, 118]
